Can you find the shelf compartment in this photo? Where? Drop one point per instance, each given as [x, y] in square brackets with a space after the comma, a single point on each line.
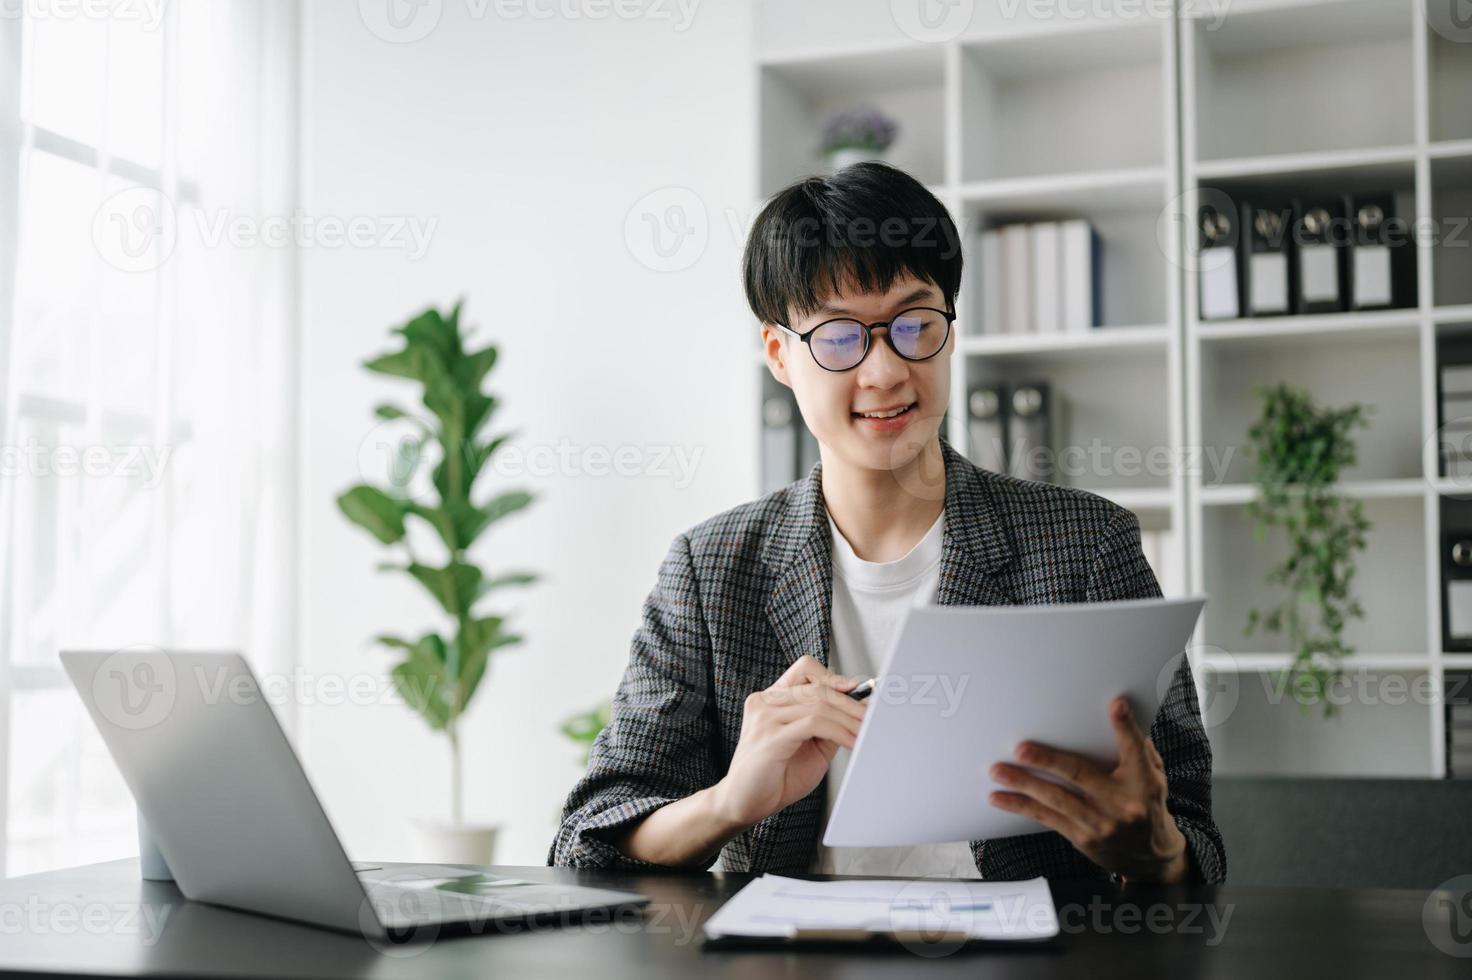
[1344, 327]
[1451, 252]
[1061, 102]
[1237, 494]
[1107, 444]
[1364, 166]
[797, 94]
[1252, 663]
[1285, 57]
[1100, 340]
[1125, 188]
[1257, 728]
[1450, 72]
[1135, 283]
[1390, 579]
[1376, 371]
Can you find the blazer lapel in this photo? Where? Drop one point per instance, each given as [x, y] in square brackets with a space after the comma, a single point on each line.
[799, 607]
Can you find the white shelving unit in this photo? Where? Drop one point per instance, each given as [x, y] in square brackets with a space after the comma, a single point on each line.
[1121, 122]
[1364, 96]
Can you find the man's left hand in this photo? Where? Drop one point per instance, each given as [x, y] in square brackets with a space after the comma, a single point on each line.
[1116, 818]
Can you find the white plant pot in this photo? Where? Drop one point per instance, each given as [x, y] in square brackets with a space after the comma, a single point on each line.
[441, 842]
[839, 159]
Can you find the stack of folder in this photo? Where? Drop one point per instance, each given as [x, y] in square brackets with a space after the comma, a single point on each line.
[1040, 278]
[1279, 255]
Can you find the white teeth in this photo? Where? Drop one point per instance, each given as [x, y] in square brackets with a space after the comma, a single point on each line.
[885, 415]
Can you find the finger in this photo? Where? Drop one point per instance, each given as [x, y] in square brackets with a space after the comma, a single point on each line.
[1071, 766]
[1127, 735]
[796, 712]
[1045, 815]
[819, 727]
[814, 693]
[802, 669]
[1072, 806]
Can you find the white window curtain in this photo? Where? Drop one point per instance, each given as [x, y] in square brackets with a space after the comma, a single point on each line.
[147, 331]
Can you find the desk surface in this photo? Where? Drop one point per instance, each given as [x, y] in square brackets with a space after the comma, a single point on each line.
[104, 920]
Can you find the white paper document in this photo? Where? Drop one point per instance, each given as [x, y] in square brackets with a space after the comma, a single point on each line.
[777, 907]
[963, 685]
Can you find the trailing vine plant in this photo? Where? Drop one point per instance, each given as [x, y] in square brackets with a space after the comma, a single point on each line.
[1301, 449]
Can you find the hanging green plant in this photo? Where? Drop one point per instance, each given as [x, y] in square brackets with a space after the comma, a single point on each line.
[1301, 450]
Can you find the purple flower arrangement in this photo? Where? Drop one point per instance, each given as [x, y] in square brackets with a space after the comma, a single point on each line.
[859, 128]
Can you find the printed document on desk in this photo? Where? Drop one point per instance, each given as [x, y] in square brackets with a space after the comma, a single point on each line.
[963, 685]
[926, 909]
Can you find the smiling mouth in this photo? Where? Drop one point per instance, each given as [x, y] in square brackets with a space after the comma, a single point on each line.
[907, 410]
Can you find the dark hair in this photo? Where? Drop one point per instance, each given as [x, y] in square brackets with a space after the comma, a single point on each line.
[869, 223]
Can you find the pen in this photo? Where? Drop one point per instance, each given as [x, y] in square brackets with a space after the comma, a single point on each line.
[863, 690]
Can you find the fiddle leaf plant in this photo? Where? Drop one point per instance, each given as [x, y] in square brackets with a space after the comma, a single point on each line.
[439, 672]
[1301, 450]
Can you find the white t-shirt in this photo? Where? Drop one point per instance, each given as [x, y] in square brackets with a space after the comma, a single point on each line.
[870, 600]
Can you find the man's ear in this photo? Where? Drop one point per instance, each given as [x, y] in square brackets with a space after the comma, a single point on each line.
[774, 349]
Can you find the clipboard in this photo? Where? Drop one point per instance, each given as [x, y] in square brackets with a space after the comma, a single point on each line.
[923, 912]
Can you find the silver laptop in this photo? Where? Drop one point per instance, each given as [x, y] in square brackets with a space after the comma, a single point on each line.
[233, 814]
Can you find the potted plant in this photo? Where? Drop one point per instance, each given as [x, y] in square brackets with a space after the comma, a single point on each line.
[439, 672]
[1301, 449]
[860, 133]
[583, 727]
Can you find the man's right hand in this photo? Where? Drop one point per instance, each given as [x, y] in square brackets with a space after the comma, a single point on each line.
[789, 734]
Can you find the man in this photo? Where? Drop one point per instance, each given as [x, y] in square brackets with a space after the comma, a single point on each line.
[730, 730]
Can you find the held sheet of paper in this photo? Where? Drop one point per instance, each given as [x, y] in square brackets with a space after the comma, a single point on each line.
[777, 907]
[964, 684]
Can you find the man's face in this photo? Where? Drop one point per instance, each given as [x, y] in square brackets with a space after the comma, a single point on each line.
[833, 402]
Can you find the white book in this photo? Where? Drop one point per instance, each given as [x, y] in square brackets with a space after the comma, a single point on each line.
[993, 318]
[1016, 279]
[1047, 311]
[1076, 245]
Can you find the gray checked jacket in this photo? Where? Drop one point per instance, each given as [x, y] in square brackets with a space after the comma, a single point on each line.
[742, 595]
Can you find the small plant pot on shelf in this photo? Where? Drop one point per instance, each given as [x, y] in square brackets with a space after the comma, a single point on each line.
[838, 159]
[442, 842]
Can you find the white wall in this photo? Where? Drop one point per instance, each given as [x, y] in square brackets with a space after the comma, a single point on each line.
[528, 141]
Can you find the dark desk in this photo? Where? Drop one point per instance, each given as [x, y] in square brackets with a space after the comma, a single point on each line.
[103, 920]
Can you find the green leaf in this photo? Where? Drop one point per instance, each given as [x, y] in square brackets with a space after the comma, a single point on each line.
[471, 370]
[410, 364]
[421, 683]
[508, 579]
[506, 504]
[390, 412]
[375, 511]
[478, 637]
[433, 334]
[454, 586]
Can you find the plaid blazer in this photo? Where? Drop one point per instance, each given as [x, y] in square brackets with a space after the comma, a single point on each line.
[742, 595]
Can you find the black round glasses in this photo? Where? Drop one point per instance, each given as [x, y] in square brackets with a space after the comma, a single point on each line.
[915, 334]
